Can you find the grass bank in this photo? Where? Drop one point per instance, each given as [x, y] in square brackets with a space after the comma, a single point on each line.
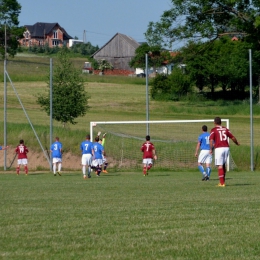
[116, 102]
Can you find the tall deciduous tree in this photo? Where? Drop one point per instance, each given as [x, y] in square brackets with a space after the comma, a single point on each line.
[223, 63]
[9, 13]
[207, 19]
[70, 100]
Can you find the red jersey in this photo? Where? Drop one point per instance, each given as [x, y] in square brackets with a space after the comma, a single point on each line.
[22, 151]
[219, 135]
[147, 149]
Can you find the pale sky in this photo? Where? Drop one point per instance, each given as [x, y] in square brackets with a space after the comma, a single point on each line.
[100, 19]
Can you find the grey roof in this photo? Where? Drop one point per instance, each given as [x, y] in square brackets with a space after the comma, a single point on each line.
[41, 29]
[128, 39]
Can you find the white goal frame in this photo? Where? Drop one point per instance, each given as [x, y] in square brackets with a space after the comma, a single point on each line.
[94, 124]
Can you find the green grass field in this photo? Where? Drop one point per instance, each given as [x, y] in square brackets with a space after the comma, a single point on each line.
[127, 216]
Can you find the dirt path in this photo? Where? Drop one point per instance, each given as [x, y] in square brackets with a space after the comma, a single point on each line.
[37, 161]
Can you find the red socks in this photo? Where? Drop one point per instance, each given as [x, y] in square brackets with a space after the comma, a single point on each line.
[221, 176]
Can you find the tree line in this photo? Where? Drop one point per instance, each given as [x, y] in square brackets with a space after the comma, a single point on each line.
[213, 63]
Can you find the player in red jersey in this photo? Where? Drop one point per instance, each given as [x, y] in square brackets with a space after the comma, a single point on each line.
[219, 137]
[148, 150]
[22, 151]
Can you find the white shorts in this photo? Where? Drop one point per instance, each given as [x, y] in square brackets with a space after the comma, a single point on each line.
[147, 161]
[205, 157]
[97, 162]
[56, 160]
[86, 159]
[22, 161]
[221, 155]
[104, 159]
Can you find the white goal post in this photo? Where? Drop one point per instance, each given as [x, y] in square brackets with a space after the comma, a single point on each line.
[175, 142]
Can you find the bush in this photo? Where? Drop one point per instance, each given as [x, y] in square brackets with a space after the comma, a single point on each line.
[171, 87]
[161, 87]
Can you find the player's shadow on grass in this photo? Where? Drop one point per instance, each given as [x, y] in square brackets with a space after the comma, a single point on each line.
[37, 173]
[217, 179]
[111, 175]
[159, 175]
[241, 184]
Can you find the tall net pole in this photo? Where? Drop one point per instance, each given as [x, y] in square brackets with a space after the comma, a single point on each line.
[147, 93]
[5, 104]
[51, 122]
[251, 111]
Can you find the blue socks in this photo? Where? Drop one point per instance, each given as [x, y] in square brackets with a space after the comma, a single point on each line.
[201, 168]
[208, 171]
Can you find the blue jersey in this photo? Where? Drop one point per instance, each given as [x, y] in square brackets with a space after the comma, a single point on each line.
[86, 147]
[98, 150]
[56, 150]
[204, 141]
[0, 147]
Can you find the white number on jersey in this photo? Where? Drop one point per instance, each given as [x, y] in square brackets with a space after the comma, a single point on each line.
[21, 149]
[222, 135]
[207, 139]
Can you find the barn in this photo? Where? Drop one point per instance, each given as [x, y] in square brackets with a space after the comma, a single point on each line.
[119, 50]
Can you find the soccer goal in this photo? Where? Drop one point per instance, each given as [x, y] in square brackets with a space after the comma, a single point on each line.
[175, 142]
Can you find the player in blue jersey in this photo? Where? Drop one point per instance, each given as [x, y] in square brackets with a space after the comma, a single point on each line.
[205, 157]
[3, 147]
[56, 151]
[98, 154]
[87, 153]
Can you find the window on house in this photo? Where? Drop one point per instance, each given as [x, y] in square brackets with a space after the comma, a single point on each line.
[26, 35]
[55, 34]
[55, 43]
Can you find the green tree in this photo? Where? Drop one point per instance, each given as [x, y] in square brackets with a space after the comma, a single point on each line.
[70, 100]
[104, 65]
[156, 56]
[9, 12]
[206, 20]
[84, 48]
[223, 63]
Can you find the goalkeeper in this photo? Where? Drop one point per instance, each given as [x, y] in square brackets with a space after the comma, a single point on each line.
[102, 142]
[149, 154]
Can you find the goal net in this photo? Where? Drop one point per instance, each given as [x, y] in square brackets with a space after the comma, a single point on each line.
[175, 142]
